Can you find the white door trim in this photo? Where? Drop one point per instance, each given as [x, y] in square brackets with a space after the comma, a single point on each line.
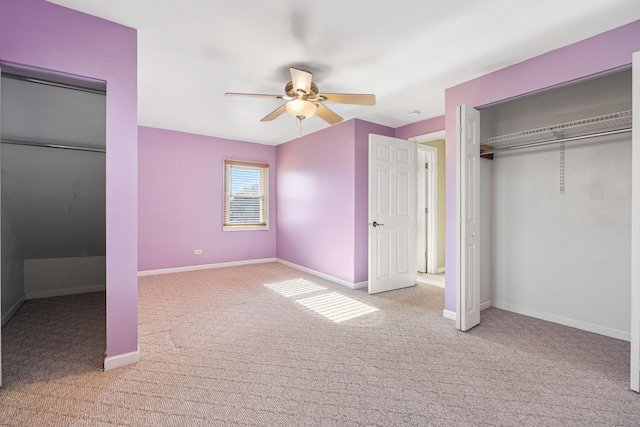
[432, 246]
[421, 211]
[635, 228]
[432, 203]
[431, 136]
[0, 290]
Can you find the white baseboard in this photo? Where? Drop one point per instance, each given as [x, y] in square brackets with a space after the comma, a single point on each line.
[121, 360]
[451, 315]
[635, 375]
[342, 282]
[485, 305]
[436, 284]
[345, 283]
[47, 293]
[203, 267]
[9, 314]
[578, 324]
[441, 270]
[448, 314]
[361, 285]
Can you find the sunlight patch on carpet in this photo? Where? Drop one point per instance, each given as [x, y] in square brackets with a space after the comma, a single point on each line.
[337, 307]
[290, 288]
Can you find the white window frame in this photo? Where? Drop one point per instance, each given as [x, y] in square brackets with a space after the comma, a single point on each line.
[264, 196]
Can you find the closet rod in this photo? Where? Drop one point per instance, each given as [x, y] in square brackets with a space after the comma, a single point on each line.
[47, 82]
[50, 145]
[555, 141]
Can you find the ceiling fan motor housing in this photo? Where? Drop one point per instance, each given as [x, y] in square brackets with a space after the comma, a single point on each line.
[291, 92]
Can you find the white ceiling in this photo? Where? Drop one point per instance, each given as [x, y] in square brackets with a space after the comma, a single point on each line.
[406, 52]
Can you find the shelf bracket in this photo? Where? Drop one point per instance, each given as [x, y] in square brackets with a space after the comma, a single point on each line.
[484, 147]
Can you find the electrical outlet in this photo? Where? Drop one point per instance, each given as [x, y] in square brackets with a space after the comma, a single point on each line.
[197, 252]
[248, 254]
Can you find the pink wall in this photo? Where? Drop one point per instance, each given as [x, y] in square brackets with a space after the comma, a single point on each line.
[39, 34]
[434, 124]
[316, 201]
[180, 200]
[604, 52]
[322, 193]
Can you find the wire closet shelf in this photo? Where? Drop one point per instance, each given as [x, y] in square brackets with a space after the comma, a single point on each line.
[579, 129]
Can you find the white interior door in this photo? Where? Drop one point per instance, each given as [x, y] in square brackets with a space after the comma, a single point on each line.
[468, 241]
[635, 228]
[392, 180]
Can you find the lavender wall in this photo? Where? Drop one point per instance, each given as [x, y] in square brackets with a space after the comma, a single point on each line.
[434, 124]
[316, 201]
[604, 52]
[322, 200]
[180, 200]
[39, 34]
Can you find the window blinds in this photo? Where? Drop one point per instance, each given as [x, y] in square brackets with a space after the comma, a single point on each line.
[246, 193]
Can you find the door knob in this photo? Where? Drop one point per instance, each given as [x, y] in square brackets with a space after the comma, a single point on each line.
[377, 224]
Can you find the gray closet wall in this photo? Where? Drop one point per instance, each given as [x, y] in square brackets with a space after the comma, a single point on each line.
[52, 199]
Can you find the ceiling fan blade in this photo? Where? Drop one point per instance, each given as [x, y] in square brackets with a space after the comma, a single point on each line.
[255, 95]
[301, 80]
[275, 113]
[327, 115]
[349, 98]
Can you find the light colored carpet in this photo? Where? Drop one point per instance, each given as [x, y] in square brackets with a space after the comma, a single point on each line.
[431, 279]
[266, 345]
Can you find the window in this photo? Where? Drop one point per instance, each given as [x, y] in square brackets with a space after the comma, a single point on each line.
[246, 195]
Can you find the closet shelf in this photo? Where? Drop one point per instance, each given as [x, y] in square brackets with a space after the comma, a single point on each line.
[606, 122]
[44, 144]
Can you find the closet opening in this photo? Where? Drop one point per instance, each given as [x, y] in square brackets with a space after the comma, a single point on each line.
[53, 224]
[555, 197]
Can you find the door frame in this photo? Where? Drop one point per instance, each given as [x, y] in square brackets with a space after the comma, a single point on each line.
[69, 82]
[0, 247]
[635, 228]
[431, 202]
[432, 231]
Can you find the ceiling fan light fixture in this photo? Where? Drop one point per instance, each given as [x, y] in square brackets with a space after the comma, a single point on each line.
[301, 109]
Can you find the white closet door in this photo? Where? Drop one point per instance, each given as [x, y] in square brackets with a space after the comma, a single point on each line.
[468, 216]
[635, 229]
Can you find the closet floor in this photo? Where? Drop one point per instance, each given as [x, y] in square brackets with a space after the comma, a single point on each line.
[51, 338]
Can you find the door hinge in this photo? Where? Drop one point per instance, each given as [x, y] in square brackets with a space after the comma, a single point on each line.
[426, 210]
[425, 255]
[426, 165]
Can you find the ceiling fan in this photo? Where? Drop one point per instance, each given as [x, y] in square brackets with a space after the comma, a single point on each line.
[304, 100]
